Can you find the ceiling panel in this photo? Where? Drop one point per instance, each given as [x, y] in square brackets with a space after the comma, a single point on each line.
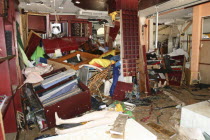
[169, 5]
[148, 3]
[178, 17]
[49, 6]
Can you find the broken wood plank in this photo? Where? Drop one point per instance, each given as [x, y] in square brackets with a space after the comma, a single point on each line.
[33, 41]
[163, 28]
[119, 125]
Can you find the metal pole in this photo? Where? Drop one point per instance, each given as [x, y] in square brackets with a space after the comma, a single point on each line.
[156, 30]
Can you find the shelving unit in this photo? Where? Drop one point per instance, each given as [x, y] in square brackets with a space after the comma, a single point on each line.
[10, 74]
[79, 29]
[130, 43]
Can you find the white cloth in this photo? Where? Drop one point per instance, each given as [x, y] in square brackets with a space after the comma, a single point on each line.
[38, 69]
[177, 52]
[33, 75]
[133, 131]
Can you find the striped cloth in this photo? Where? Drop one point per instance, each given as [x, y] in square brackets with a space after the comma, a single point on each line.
[59, 90]
[55, 99]
[57, 78]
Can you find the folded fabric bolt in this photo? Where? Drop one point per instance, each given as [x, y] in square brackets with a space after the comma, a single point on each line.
[57, 78]
[64, 88]
[61, 97]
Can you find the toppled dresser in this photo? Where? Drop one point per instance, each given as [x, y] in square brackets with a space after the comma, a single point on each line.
[65, 95]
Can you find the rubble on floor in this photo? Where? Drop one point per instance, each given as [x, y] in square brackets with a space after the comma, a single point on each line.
[74, 81]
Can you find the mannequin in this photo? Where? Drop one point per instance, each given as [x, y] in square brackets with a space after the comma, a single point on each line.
[93, 119]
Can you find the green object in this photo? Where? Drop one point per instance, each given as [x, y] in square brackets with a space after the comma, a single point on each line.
[39, 52]
[130, 114]
[18, 36]
[24, 57]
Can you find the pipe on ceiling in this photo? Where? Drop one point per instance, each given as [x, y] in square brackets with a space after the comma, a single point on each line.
[156, 29]
[184, 5]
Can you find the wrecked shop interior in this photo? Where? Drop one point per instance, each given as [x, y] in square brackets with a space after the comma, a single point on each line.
[109, 69]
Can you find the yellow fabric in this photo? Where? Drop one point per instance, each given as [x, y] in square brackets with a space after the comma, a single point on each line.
[113, 52]
[118, 108]
[101, 62]
[113, 14]
[83, 123]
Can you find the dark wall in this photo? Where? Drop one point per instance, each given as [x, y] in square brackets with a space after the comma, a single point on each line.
[37, 23]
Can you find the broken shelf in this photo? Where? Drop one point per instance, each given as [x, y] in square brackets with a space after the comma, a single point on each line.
[2, 59]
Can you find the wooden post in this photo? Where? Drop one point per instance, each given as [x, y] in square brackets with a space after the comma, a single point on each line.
[23, 29]
[199, 12]
[146, 34]
[151, 34]
[140, 62]
[196, 36]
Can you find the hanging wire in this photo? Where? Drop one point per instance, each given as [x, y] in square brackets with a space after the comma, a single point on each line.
[56, 20]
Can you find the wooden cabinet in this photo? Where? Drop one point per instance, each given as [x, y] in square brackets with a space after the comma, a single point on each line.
[79, 29]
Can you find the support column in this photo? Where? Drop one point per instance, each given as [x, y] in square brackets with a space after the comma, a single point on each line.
[156, 30]
[146, 35]
[151, 46]
[196, 37]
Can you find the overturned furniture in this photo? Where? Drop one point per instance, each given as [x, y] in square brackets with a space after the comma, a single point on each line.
[68, 98]
[33, 41]
[70, 61]
[170, 69]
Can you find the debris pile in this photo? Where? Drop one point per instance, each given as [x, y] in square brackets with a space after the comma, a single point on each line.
[66, 80]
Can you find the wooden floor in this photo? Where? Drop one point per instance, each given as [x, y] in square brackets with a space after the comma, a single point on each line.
[168, 118]
[11, 136]
[34, 133]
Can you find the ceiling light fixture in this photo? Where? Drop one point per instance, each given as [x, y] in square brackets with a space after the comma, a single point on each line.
[77, 2]
[28, 3]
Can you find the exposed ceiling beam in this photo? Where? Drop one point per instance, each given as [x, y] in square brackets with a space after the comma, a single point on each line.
[187, 26]
[163, 28]
[143, 4]
[62, 4]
